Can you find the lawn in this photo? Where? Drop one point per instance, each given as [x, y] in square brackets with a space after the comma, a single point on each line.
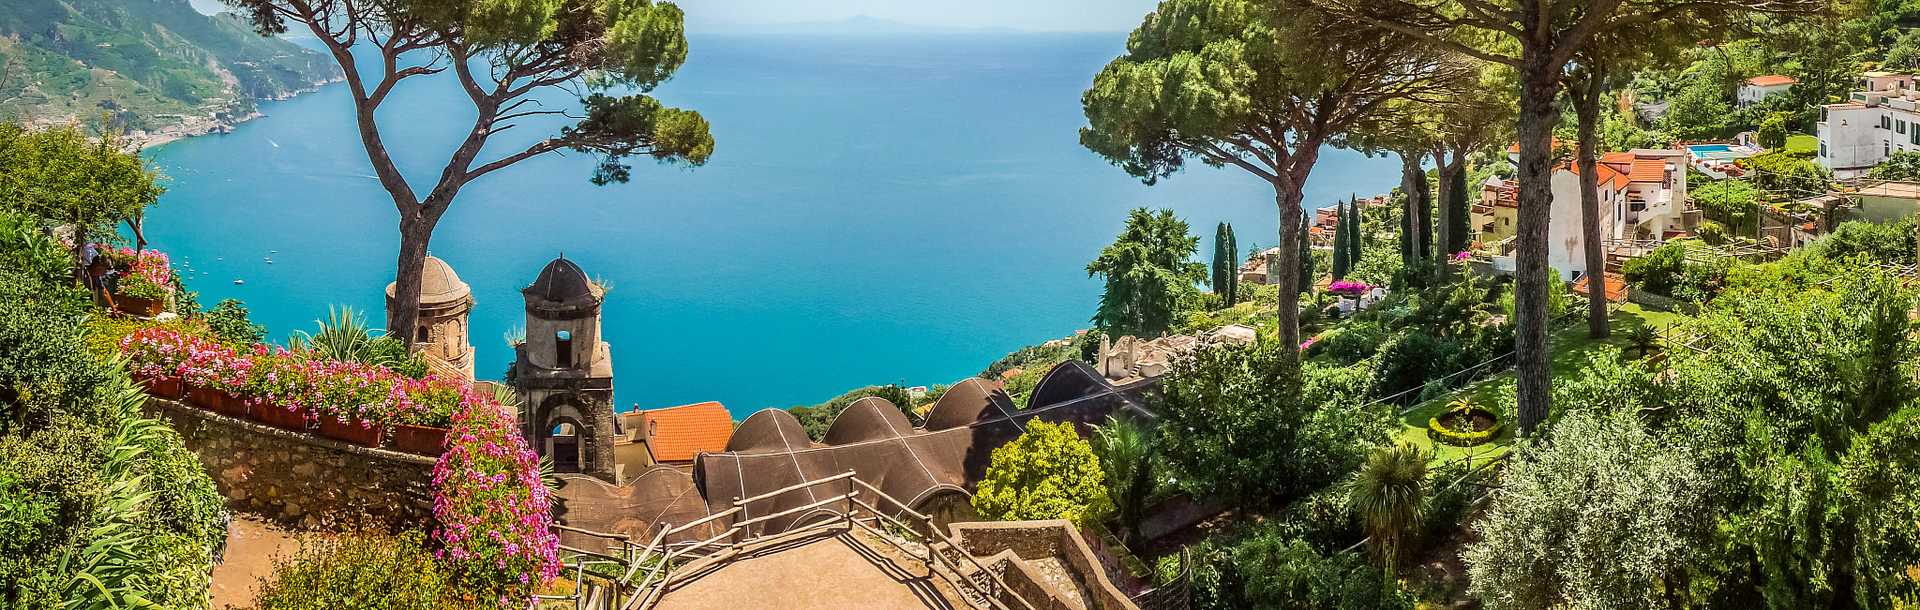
[1571, 348]
[1803, 143]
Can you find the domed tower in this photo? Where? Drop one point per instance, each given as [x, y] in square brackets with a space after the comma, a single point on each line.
[564, 372]
[445, 303]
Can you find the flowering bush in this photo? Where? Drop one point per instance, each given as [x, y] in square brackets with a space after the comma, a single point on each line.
[215, 366]
[494, 514]
[158, 353]
[432, 402]
[1349, 287]
[150, 266]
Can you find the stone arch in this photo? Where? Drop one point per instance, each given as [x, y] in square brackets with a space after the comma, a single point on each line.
[581, 452]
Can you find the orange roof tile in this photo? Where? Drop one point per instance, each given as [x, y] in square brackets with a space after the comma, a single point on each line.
[1616, 287]
[1647, 169]
[677, 434]
[1771, 80]
[1608, 175]
[1616, 157]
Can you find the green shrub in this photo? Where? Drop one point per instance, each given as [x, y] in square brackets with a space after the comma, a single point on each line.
[1049, 472]
[228, 321]
[1410, 360]
[361, 572]
[1891, 242]
[1441, 433]
[1351, 342]
[1732, 202]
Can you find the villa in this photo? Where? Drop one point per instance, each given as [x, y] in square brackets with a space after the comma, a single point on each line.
[1643, 196]
[1760, 87]
[1877, 121]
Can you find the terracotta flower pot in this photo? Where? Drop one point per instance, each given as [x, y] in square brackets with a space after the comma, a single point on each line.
[278, 417]
[145, 308]
[207, 398]
[350, 432]
[422, 440]
[170, 388]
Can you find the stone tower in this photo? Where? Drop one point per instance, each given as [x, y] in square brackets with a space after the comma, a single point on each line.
[445, 303]
[564, 372]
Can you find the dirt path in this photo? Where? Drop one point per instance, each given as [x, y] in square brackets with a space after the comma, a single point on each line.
[252, 545]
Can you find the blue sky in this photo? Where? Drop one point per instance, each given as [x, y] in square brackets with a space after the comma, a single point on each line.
[1045, 15]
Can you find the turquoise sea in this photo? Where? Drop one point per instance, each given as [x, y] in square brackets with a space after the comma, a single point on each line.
[879, 209]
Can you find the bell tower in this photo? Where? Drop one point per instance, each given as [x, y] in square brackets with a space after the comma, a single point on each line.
[564, 372]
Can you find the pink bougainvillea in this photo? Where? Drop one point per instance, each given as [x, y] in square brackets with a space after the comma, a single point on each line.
[494, 514]
[1349, 287]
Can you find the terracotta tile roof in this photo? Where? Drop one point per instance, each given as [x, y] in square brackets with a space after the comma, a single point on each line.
[1771, 80]
[1618, 156]
[1647, 169]
[676, 434]
[1607, 176]
[1616, 287]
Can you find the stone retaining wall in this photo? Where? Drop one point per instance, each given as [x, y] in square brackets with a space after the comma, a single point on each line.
[304, 480]
[1021, 551]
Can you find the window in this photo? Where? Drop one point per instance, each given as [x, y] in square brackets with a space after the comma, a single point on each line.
[1823, 149]
[1885, 149]
[422, 336]
[1900, 127]
[1915, 136]
[563, 349]
[1886, 122]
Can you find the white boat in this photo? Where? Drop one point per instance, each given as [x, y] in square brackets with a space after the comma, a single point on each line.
[239, 282]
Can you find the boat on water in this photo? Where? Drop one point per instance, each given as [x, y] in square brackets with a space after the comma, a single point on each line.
[239, 282]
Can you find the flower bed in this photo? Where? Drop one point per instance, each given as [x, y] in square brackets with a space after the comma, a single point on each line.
[1464, 425]
[495, 516]
[1349, 287]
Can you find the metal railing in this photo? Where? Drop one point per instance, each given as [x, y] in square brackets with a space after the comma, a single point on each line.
[648, 571]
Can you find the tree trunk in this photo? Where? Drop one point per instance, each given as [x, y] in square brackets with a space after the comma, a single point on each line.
[1444, 198]
[1586, 106]
[1539, 83]
[1413, 182]
[403, 311]
[1287, 197]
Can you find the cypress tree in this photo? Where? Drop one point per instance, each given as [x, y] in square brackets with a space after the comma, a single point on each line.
[1340, 249]
[1406, 235]
[1221, 258]
[1355, 238]
[1233, 267]
[1459, 221]
[1306, 258]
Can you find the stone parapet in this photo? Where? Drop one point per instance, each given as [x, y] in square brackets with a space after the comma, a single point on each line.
[304, 480]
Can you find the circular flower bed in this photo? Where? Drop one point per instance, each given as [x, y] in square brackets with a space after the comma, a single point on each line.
[1464, 425]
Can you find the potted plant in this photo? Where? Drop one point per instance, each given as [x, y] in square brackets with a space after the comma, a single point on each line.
[420, 425]
[144, 283]
[353, 401]
[215, 374]
[154, 356]
[277, 389]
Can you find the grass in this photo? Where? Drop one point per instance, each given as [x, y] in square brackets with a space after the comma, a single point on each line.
[1802, 143]
[1571, 349]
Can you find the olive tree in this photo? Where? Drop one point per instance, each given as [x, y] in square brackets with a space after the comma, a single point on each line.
[504, 53]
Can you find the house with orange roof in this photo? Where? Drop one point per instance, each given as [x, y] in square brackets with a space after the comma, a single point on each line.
[1759, 87]
[672, 436]
[1643, 195]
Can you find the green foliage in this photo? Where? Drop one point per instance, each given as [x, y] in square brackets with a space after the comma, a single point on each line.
[60, 175]
[1226, 265]
[1389, 495]
[1699, 111]
[1905, 52]
[1046, 473]
[1888, 243]
[1599, 517]
[1127, 450]
[1668, 271]
[1232, 415]
[345, 336]
[1147, 272]
[1270, 571]
[817, 418]
[1734, 203]
[1773, 131]
[228, 321]
[1342, 251]
[1462, 437]
[1790, 173]
[26, 246]
[1901, 165]
[361, 572]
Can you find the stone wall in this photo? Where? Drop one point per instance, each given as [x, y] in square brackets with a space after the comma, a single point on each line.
[1045, 562]
[304, 480]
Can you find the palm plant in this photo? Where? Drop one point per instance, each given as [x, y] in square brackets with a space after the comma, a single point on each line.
[1389, 495]
[1644, 339]
[1126, 448]
[343, 336]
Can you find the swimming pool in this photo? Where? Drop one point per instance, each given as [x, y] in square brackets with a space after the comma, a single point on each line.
[1719, 151]
[1710, 148]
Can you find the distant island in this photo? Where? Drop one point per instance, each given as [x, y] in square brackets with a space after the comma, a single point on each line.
[160, 68]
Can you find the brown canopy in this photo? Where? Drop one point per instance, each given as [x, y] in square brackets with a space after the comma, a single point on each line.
[770, 451]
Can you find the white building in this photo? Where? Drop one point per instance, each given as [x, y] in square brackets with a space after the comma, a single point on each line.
[1877, 121]
[1759, 87]
[1643, 196]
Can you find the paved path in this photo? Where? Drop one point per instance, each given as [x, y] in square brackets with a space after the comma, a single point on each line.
[252, 544]
[818, 574]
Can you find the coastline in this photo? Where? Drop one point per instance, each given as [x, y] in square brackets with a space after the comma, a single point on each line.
[213, 124]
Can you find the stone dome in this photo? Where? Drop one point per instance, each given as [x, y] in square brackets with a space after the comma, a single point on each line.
[562, 282]
[439, 285]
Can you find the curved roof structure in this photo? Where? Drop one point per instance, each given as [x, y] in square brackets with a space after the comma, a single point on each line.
[439, 285]
[869, 418]
[967, 403]
[767, 431]
[770, 451]
[562, 281]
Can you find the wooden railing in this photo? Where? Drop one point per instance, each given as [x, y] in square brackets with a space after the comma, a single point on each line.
[648, 571]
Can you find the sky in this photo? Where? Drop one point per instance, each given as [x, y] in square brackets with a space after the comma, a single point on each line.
[1044, 15]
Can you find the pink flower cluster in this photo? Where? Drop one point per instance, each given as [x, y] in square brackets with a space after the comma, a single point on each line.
[150, 265]
[1349, 287]
[495, 516]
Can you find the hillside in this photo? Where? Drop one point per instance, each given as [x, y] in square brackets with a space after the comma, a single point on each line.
[157, 66]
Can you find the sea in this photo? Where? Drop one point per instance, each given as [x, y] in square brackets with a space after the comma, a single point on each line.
[878, 209]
